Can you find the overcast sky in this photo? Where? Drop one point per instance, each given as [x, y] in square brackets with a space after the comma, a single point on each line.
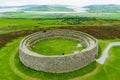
[63, 2]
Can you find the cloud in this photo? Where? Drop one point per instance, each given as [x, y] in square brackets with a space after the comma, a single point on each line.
[64, 2]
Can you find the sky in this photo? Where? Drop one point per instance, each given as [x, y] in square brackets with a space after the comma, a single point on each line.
[61, 2]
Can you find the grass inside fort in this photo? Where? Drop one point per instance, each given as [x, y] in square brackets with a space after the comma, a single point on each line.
[58, 46]
[12, 69]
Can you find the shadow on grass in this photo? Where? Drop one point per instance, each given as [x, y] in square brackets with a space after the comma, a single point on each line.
[52, 76]
[99, 51]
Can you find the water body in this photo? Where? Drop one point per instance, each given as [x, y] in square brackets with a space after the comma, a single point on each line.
[105, 55]
[9, 9]
[79, 9]
[49, 12]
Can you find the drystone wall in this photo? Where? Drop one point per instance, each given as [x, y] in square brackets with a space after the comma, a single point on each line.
[58, 64]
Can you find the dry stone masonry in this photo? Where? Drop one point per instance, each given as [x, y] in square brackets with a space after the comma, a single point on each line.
[58, 64]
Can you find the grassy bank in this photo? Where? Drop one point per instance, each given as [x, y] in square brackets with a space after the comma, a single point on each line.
[12, 69]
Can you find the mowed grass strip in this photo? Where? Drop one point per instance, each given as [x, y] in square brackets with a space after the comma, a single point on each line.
[58, 46]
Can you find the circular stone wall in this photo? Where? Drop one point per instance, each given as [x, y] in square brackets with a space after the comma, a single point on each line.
[58, 64]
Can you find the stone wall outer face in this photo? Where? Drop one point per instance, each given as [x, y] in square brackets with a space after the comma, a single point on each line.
[58, 64]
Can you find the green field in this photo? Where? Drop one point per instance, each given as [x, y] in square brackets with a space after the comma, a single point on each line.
[56, 47]
[17, 21]
[38, 16]
[104, 26]
[12, 69]
[11, 25]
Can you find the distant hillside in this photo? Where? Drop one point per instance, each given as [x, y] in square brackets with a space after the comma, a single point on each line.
[24, 6]
[48, 8]
[111, 8]
[63, 8]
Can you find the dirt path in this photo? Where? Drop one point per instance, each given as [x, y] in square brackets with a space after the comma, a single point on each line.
[105, 53]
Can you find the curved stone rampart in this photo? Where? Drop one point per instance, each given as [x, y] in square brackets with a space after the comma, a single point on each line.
[58, 64]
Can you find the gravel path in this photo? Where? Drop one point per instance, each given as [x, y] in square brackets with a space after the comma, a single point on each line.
[105, 55]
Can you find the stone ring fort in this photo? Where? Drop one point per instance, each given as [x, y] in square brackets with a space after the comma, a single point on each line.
[63, 63]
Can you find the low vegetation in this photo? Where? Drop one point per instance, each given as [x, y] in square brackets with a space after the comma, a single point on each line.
[14, 26]
[98, 32]
[11, 25]
[56, 47]
[14, 69]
